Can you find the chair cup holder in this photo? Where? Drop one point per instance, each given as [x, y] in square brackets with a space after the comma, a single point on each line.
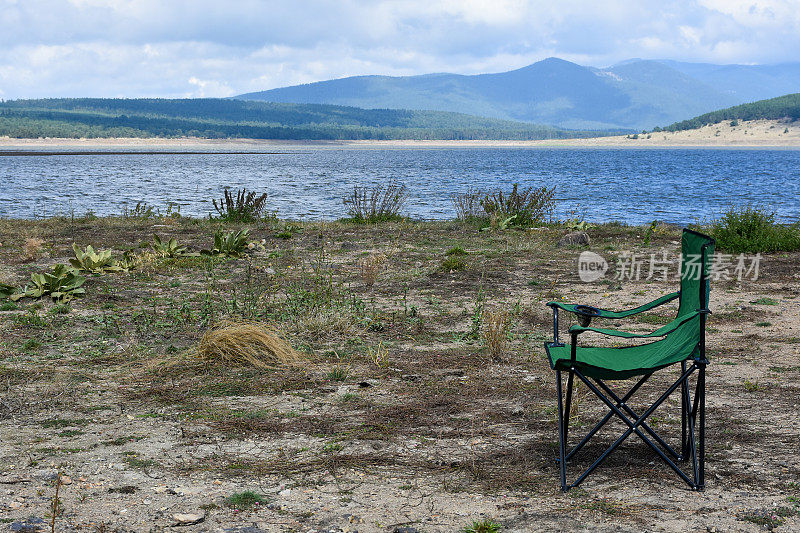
[585, 314]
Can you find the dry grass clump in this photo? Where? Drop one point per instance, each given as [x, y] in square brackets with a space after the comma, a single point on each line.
[494, 333]
[369, 268]
[32, 248]
[245, 344]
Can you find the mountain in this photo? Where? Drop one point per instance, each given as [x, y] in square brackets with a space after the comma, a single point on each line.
[636, 94]
[785, 107]
[223, 118]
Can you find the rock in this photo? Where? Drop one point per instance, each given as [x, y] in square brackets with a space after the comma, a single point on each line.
[410, 377]
[15, 505]
[244, 529]
[28, 526]
[576, 238]
[405, 529]
[517, 410]
[66, 480]
[188, 519]
[11, 480]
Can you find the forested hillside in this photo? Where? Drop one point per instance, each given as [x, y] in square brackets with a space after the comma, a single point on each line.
[782, 107]
[222, 118]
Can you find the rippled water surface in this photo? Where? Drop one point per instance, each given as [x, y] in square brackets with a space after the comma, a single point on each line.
[635, 186]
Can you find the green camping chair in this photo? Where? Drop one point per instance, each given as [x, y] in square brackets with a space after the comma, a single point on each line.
[680, 341]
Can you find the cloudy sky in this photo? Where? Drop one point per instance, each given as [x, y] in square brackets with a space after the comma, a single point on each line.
[191, 48]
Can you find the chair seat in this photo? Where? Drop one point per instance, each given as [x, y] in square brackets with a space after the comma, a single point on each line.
[628, 361]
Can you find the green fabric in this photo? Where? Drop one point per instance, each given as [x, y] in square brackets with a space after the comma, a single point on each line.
[605, 313]
[681, 337]
[660, 332]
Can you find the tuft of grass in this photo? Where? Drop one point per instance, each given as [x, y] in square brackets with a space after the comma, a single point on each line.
[369, 267]
[525, 207]
[246, 206]
[453, 263]
[245, 500]
[765, 301]
[752, 229]
[456, 250]
[483, 526]
[31, 248]
[381, 203]
[494, 332]
[339, 373]
[763, 324]
[245, 344]
[751, 386]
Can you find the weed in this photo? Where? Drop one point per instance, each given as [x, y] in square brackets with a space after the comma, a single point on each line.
[381, 203]
[453, 263]
[339, 373]
[765, 301]
[231, 244]
[456, 250]
[379, 355]
[369, 267]
[243, 208]
[32, 248]
[61, 285]
[469, 205]
[94, 262]
[169, 248]
[752, 229]
[245, 500]
[521, 208]
[751, 386]
[31, 345]
[771, 518]
[483, 526]
[763, 324]
[494, 333]
[8, 306]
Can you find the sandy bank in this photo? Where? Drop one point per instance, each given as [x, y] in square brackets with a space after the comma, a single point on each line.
[750, 134]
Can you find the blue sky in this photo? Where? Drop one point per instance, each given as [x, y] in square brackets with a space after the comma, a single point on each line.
[192, 48]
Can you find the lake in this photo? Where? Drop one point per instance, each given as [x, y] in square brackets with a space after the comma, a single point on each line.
[309, 182]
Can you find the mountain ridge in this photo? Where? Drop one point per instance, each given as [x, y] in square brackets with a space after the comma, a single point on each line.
[633, 94]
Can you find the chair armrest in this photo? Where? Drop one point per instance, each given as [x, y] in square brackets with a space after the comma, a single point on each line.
[605, 313]
[660, 332]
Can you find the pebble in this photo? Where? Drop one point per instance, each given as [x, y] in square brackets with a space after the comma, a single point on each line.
[580, 238]
[28, 526]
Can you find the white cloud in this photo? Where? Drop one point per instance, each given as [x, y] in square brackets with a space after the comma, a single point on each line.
[154, 48]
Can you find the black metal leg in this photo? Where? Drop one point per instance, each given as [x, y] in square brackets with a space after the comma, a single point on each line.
[561, 440]
[701, 390]
[568, 407]
[684, 412]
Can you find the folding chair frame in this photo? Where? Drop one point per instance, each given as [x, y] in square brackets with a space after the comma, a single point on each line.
[693, 408]
[692, 423]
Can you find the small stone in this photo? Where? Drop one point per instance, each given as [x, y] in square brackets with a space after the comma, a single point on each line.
[15, 505]
[188, 519]
[285, 493]
[12, 480]
[576, 238]
[405, 529]
[66, 480]
[517, 410]
[410, 377]
[30, 525]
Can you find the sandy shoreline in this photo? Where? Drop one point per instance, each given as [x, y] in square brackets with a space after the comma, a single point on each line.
[753, 134]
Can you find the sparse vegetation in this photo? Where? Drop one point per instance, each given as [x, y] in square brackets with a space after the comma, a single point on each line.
[62, 284]
[494, 334]
[370, 267]
[752, 229]
[381, 203]
[230, 244]
[94, 262]
[245, 344]
[483, 526]
[526, 207]
[246, 206]
[245, 500]
[169, 248]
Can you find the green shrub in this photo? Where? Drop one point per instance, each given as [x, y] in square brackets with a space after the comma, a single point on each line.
[245, 500]
[168, 248]
[453, 263]
[456, 250]
[484, 526]
[94, 262]
[231, 244]
[752, 229]
[521, 208]
[381, 203]
[244, 207]
[61, 285]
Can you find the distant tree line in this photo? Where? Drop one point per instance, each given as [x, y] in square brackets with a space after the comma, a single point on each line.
[783, 107]
[224, 118]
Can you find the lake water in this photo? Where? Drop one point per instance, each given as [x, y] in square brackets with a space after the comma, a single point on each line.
[630, 185]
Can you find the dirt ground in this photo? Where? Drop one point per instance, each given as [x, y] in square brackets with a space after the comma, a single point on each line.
[399, 419]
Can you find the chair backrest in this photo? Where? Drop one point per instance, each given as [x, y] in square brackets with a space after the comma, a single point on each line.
[697, 254]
